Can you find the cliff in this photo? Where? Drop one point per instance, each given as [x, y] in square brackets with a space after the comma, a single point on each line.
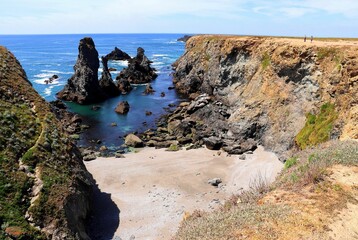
[274, 91]
[44, 186]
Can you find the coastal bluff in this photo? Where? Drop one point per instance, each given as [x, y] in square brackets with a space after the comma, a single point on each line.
[267, 89]
[45, 189]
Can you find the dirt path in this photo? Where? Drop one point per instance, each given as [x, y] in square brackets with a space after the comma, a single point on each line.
[153, 188]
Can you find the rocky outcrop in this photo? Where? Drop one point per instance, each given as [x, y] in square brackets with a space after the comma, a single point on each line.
[117, 54]
[83, 87]
[106, 83]
[260, 89]
[46, 188]
[139, 70]
[184, 38]
[122, 107]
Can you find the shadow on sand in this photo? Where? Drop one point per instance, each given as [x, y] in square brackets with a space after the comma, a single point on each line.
[105, 216]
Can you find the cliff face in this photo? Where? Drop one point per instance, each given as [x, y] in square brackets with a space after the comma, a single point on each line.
[44, 186]
[267, 86]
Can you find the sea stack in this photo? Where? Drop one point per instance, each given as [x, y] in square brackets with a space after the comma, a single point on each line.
[139, 70]
[106, 83]
[117, 54]
[83, 87]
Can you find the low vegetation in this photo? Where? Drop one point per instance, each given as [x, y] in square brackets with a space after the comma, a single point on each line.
[249, 216]
[317, 128]
[265, 60]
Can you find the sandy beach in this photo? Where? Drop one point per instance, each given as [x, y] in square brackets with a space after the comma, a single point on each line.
[153, 188]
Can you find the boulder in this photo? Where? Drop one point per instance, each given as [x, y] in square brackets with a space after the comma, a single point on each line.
[122, 107]
[117, 54]
[148, 89]
[215, 182]
[213, 143]
[139, 70]
[83, 87]
[132, 140]
[244, 146]
[106, 83]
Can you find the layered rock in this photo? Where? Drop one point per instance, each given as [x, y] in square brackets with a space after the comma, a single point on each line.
[47, 188]
[106, 83]
[260, 89]
[117, 54]
[139, 70]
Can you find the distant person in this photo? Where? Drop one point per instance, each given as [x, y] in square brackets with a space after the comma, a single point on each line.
[305, 39]
[311, 38]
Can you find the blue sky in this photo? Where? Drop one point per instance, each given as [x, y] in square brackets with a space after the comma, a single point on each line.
[331, 18]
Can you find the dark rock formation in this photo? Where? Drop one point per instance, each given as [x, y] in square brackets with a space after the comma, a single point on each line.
[117, 54]
[124, 86]
[185, 38]
[83, 87]
[122, 107]
[106, 83]
[213, 143]
[139, 70]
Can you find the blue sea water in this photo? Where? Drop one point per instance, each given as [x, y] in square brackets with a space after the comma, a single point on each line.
[45, 55]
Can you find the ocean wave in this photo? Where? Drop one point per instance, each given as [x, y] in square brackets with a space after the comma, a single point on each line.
[157, 63]
[160, 55]
[54, 82]
[122, 63]
[172, 42]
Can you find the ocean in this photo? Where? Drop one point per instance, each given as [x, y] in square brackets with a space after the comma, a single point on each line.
[42, 56]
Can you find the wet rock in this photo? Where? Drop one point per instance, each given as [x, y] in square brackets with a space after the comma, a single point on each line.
[95, 108]
[106, 83]
[148, 89]
[117, 54]
[148, 113]
[139, 70]
[124, 86]
[162, 94]
[83, 87]
[122, 107]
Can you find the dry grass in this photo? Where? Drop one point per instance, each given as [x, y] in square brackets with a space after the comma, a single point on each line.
[301, 205]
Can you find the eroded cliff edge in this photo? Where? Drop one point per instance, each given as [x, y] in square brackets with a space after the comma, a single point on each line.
[262, 88]
[44, 186]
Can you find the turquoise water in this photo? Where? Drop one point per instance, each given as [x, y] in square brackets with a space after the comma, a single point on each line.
[45, 55]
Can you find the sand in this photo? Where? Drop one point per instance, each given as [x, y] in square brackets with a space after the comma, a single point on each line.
[153, 188]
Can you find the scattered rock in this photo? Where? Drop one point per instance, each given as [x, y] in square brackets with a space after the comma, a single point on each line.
[113, 124]
[215, 182]
[89, 157]
[95, 107]
[148, 113]
[162, 94]
[213, 143]
[132, 140]
[122, 107]
[148, 89]
[119, 155]
[103, 148]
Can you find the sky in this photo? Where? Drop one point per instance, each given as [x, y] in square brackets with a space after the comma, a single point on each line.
[321, 18]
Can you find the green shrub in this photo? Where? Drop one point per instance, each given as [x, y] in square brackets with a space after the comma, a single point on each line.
[265, 60]
[290, 162]
[317, 128]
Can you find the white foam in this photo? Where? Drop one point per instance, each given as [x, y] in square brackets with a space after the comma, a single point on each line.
[160, 55]
[157, 63]
[122, 63]
[54, 82]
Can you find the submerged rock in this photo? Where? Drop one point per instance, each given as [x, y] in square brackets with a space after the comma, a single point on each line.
[139, 70]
